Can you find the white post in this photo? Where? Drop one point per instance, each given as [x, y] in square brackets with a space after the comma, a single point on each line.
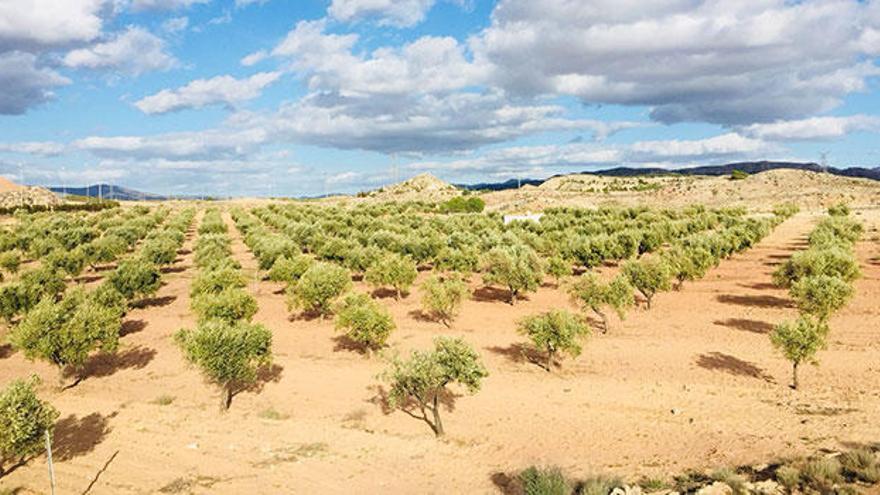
[51, 466]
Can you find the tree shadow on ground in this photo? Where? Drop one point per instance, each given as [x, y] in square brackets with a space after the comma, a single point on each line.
[306, 316]
[132, 326]
[87, 279]
[346, 343]
[74, 436]
[487, 293]
[718, 361]
[411, 408]
[384, 293]
[420, 315]
[106, 364]
[754, 326]
[184, 252]
[6, 350]
[173, 269]
[265, 375]
[507, 484]
[154, 302]
[760, 286]
[764, 301]
[520, 353]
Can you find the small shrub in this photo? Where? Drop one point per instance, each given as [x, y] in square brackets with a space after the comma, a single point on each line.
[822, 474]
[216, 281]
[553, 332]
[799, 342]
[558, 267]
[544, 481]
[24, 421]
[597, 485]
[164, 400]
[229, 355]
[861, 464]
[10, 261]
[319, 287]
[229, 305]
[789, 477]
[289, 270]
[136, 278]
[364, 321]
[839, 210]
[392, 270]
[738, 175]
[423, 377]
[442, 296]
[648, 276]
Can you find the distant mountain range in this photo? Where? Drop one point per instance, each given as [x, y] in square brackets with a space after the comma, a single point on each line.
[108, 191]
[747, 167]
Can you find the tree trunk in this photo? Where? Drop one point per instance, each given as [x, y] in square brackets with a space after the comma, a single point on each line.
[649, 297]
[604, 319]
[227, 398]
[549, 366]
[438, 424]
[512, 297]
[794, 375]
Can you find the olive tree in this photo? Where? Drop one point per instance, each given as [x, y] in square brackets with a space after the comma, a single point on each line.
[591, 293]
[442, 296]
[318, 288]
[553, 332]
[423, 378]
[105, 249]
[230, 305]
[558, 267]
[799, 342]
[290, 269]
[835, 261]
[136, 278]
[216, 281]
[10, 261]
[648, 276]
[24, 421]
[230, 355]
[688, 263]
[516, 267]
[821, 295]
[394, 270]
[364, 321]
[65, 333]
[160, 250]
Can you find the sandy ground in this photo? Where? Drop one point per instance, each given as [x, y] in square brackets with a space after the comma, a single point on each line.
[693, 383]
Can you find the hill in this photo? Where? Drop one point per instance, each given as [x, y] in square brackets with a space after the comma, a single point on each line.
[13, 195]
[423, 186]
[109, 191]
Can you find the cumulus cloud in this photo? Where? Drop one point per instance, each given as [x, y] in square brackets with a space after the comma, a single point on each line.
[133, 51]
[428, 64]
[397, 13]
[26, 24]
[141, 5]
[718, 61]
[197, 145]
[203, 92]
[25, 85]
[254, 58]
[815, 128]
[175, 24]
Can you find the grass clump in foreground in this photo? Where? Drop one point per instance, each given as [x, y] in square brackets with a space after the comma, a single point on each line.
[848, 472]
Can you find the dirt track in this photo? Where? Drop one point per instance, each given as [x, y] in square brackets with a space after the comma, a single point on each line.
[692, 383]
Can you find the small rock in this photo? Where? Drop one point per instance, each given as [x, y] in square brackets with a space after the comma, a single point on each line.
[768, 487]
[717, 488]
[627, 490]
[675, 412]
[193, 446]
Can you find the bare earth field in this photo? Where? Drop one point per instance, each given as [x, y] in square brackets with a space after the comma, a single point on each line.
[693, 383]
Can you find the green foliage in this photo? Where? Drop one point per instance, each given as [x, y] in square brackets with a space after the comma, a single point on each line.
[833, 262]
[738, 175]
[799, 342]
[422, 379]
[442, 296]
[861, 464]
[516, 267]
[105, 249]
[786, 210]
[822, 474]
[24, 421]
[544, 481]
[136, 278]
[319, 287]
[160, 251]
[553, 332]
[648, 276]
[688, 263]
[591, 293]
[462, 260]
[289, 270]
[364, 321]
[461, 204]
[558, 267]
[839, 210]
[70, 262]
[65, 333]
[836, 231]
[229, 305]
[229, 354]
[10, 261]
[821, 295]
[789, 477]
[393, 270]
[33, 286]
[212, 223]
[216, 281]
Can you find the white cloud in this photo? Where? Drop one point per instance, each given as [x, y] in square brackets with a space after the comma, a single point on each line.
[254, 58]
[814, 128]
[724, 146]
[141, 5]
[39, 148]
[175, 24]
[23, 84]
[720, 61]
[201, 145]
[29, 23]
[203, 92]
[398, 13]
[426, 65]
[133, 51]
[245, 3]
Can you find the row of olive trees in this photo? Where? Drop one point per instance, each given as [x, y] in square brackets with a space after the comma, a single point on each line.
[819, 280]
[228, 348]
[66, 330]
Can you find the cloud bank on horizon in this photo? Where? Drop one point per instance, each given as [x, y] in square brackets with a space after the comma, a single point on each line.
[256, 97]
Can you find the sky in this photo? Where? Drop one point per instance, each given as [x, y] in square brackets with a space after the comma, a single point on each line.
[307, 97]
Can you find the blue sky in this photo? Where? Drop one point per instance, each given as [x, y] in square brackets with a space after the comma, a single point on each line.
[258, 97]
